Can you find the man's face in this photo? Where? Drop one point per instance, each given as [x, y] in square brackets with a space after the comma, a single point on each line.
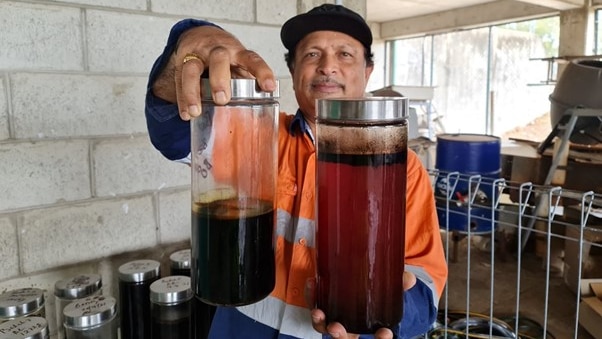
[328, 64]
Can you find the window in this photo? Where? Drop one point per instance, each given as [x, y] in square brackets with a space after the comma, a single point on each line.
[598, 32]
[487, 80]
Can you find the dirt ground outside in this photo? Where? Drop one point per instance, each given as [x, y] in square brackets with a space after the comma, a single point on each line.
[537, 130]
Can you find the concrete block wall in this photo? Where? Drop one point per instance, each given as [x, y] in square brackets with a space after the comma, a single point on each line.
[81, 188]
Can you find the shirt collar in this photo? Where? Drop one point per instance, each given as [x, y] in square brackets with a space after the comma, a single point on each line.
[299, 120]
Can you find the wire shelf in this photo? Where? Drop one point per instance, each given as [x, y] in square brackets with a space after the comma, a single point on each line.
[519, 254]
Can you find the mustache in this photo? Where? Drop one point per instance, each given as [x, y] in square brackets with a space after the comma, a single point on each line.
[326, 80]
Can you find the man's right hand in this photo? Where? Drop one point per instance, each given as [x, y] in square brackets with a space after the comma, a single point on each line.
[213, 50]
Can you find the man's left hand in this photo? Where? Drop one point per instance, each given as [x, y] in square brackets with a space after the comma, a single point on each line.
[337, 330]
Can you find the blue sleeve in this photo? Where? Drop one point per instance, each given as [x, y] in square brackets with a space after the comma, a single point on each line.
[168, 133]
[419, 313]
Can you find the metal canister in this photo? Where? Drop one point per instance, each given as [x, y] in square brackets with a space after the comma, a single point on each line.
[179, 262]
[73, 288]
[171, 308]
[93, 317]
[234, 171]
[202, 313]
[25, 328]
[22, 302]
[135, 278]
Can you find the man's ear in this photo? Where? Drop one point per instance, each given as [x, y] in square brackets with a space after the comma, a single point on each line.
[291, 70]
[368, 72]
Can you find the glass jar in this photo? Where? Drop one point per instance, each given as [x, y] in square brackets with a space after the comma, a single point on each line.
[179, 262]
[25, 328]
[361, 186]
[68, 290]
[234, 169]
[202, 313]
[93, 317]
[171, 308]
[22, 302]
[135, 278]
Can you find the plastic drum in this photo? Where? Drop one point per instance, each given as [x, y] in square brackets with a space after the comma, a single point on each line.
[469, 155]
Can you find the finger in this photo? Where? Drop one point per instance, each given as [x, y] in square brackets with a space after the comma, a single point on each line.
[318, 320]
[337, 330]
[383, 333]
[409, 280]
[178, 82]
[220, 75]
[189, 91]
[254, 64]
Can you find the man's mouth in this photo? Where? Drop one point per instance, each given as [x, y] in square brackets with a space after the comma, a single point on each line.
[328, 86]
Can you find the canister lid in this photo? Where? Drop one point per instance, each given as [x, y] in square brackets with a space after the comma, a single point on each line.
[180, 259]
[89, 311]
[19, 302]
[139, 270]
[469, 138]
[241, 89]
[78, 286]
[171, 290]
[25, 328]
[368, 109]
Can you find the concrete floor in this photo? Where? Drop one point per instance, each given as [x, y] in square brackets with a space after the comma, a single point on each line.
[470, 288]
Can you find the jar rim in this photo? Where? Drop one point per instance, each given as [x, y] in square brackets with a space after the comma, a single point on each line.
[171, 290]
[90, 311]
[21, 301]
[78, 286]
[363, 110]
[33, 327]
[139, 270]
[241, 89]
[180, 259]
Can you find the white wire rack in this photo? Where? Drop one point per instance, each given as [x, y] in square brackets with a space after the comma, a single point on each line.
[519, 255]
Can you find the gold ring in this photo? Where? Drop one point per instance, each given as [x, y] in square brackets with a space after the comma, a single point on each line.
[190, 56]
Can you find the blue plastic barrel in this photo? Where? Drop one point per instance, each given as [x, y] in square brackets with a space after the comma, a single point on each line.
[470, 155]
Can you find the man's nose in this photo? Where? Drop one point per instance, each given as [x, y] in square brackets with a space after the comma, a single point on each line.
[328, 64]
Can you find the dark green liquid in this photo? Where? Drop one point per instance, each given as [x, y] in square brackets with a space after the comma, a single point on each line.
[233, 251]
[135, 309]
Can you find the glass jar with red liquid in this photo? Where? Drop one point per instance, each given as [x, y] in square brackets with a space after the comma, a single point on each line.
[234, 168]
[361, 147]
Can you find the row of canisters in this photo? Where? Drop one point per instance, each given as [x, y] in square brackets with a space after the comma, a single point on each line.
[149, 306]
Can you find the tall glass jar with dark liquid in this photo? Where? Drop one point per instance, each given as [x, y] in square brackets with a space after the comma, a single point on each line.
[135, 278]
[202, 313]
[361, 186]
[234, 161]
[171, 308]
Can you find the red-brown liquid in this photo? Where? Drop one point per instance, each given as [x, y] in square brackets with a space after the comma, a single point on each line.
[361, 236]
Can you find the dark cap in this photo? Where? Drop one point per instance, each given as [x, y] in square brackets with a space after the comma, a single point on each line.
[326, 17]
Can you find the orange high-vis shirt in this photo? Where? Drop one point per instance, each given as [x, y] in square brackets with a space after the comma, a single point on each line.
[295, 217]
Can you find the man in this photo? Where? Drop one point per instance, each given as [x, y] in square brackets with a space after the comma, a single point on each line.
[329, 55]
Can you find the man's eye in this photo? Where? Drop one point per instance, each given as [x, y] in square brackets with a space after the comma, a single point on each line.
[312, 54]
